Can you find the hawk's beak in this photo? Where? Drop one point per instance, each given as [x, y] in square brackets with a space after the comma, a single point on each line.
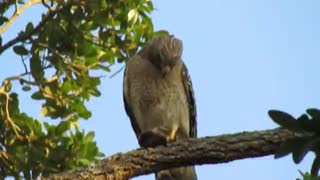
[165, 70]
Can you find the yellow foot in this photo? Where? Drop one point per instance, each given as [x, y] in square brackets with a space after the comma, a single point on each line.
[173, 135]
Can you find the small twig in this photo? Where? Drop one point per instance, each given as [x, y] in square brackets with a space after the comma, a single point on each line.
[46, 5]
[17, 13]
[116, 72]
[20, 77]
[4, 156]
[24, 65]
[15, 128]
[27, 35]
[15, 9]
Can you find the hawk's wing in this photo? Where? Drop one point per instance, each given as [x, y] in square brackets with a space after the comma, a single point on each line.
[187, 84]
[127, 107]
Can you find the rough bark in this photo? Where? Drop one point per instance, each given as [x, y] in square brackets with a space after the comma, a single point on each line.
[206, 150]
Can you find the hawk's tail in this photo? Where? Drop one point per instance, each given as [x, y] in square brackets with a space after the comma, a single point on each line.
[182, 173]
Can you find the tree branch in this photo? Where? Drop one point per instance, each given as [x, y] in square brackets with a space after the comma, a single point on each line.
[17, 13]
[25, 36]
[207, 150]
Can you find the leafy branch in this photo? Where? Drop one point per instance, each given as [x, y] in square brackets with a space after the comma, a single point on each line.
[26, 35]
[18, 12]
[309, 122]
[4, 90]
[63, 57]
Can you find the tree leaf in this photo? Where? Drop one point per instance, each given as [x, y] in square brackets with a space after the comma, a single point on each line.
[26, 88]
[310, 125]
[29, 27]
[37, 95]
[36, 67]
[3, 20]
[298, 147]
[20, 50]
[90, 136]
[133, 15]
[285, 120]
[63, 127]
[284, 149]
[103, 67]
[302, 147]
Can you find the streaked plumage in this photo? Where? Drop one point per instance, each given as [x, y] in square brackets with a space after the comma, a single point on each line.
[159, 99]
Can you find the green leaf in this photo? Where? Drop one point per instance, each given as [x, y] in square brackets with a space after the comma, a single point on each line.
[310, 125]
[95, 92]
[29, 27]
[37, 95]
[14, 104]
[3, 20]
[298, 147]
[284, 149]
[26, 88]
[36, 67]
[75, 41]
[105, 68]
[20, 50]
[84, 162]
[285, 120]
[105, 58]
[90, 136]
[67, 86]
[133, 15]
[48, 111]
[82, 110]
[302, 147]
[305, 123]
[63, 127]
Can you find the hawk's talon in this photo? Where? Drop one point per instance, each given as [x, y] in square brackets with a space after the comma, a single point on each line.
[169, 133]
[173, 135]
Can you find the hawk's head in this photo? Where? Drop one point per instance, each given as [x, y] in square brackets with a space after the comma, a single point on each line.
[164, 52]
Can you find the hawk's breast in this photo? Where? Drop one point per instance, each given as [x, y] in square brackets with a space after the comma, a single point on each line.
[159, 101]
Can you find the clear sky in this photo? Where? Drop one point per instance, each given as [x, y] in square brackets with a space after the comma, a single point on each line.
[244, 57]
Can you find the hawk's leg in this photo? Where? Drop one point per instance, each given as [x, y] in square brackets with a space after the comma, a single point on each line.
[158, 136]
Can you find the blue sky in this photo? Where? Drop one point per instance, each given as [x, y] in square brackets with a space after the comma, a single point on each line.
[244, 57]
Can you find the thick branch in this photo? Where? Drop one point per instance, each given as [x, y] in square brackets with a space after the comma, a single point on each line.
[207, 150]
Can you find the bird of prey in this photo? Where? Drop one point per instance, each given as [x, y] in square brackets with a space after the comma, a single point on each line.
[159, 99]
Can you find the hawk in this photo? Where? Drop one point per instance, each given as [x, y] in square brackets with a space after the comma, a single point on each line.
[159, 99]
